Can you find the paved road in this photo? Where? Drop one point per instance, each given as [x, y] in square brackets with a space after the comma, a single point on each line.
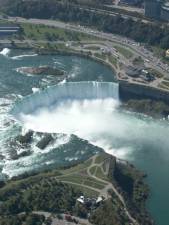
[81, 185]
[109, 185]
[148, 56]
[104, 191]
[110, 12]
[126, 7]
[56, 221]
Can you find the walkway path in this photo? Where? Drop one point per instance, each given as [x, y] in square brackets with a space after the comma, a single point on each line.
[104, 192]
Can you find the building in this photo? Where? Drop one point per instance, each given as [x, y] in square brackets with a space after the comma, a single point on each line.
[167, 53]
[139, 72]
[153, 9]
[157, 10]
[90, 203]
[81, 199]
[129, 2]
[165, 12]
[8, 29]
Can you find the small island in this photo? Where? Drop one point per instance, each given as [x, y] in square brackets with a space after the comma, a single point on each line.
[42, 70]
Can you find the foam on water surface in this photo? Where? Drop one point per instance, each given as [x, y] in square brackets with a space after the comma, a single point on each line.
[18, 57]
[89, 110]
[5, 52]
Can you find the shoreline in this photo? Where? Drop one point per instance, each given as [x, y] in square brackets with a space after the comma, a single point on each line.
[83, 55]
[127, 90]
[132, 211]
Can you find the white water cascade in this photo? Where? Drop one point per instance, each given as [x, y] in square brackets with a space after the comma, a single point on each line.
[90, 110]
[65, 91]
[5, 52]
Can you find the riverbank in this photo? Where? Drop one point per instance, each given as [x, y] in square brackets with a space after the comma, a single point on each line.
[96, 177]
[128, 89]
[133, 94]
[130, 143]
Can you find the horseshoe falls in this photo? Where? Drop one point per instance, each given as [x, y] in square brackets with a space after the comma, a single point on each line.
[65, 91]
[90, 110]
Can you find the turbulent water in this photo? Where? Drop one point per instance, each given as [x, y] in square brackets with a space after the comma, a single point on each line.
[5, 52]
[64, 91]
[14, 86]
[89, 110]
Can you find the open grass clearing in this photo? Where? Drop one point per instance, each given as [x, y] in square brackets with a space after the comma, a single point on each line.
[93, 170]
[100, 174]
[78, 167]
[124, 51]
[43, 32]
[86, 191]
[101, 56]
[100, 158]
[112, 60]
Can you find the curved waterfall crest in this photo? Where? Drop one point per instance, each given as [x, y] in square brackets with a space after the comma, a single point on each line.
[65, 91]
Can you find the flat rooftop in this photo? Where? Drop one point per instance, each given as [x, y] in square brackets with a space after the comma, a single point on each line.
[9, 26]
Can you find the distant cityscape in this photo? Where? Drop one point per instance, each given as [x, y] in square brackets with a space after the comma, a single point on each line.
[154, 9]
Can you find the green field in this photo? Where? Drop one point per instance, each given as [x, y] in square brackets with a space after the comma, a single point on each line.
[43, 32]
[124, 51]
[113, 60]
[100, 56]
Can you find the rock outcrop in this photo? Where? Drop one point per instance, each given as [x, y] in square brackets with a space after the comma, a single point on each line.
[42, 70]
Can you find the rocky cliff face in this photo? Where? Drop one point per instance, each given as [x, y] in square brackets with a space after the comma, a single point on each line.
[138, 91]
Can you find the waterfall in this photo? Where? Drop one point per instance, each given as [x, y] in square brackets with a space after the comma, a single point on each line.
[65, 91]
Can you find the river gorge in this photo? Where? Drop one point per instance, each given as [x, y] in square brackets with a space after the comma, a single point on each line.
[87, 105]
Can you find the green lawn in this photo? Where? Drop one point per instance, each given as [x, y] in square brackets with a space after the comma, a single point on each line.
[78, 167]
[86, 191]
[101, 56]
[100, 174]
[100, 158]
[93, 170]
[112, 60]
[86, 180]
[42, 32]
[124, 51]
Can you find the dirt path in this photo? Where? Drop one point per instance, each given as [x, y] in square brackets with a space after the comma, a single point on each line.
[109, 185]
[81, 185]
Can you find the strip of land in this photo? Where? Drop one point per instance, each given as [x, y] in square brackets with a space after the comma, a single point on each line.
[54, 194]
[135, 66]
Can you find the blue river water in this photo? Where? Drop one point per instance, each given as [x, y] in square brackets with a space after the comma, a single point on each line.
[139, 139]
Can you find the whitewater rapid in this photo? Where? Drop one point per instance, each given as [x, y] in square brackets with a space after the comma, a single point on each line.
[5, 52]
[22, 56]
[15, 86]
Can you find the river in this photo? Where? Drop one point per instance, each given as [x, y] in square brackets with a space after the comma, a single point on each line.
[137, 138]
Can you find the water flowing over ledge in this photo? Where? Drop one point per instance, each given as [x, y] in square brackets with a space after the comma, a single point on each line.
[65, 91]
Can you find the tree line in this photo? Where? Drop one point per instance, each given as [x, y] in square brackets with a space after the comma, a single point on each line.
[152, 34]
